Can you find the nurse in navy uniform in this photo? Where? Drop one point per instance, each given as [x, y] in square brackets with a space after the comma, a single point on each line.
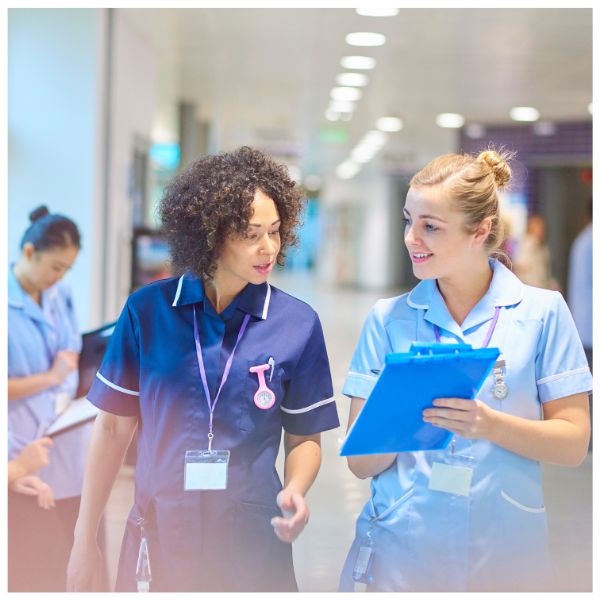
[211, 367]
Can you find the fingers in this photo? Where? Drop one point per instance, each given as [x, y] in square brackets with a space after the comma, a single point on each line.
[288, 528]
[455, 403]
[448, 414]
[46, 442]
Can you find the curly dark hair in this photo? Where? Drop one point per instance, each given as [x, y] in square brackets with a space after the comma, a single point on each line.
[211, 200]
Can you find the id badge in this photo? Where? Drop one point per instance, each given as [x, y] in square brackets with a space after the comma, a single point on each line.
[206, 470]
[452, 478]
[362, 571]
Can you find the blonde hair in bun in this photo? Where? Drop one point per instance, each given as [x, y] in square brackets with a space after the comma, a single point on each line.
[472, 183]
[498, 163]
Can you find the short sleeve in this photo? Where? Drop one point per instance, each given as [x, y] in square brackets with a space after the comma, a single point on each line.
[369, 356]
[309, 406]
[561, 365]
[116, 386]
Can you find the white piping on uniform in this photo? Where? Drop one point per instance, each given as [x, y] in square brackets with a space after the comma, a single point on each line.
[115, 386]
[267, 301]
[178, 293]
[561, 375]
[521, 506]
[362, 376]
[307, 408]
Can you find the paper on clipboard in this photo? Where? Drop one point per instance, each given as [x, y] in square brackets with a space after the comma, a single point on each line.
[391, 419]
[79, 412]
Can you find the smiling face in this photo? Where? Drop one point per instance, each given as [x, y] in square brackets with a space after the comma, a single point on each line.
[249, 258]
[436, 237]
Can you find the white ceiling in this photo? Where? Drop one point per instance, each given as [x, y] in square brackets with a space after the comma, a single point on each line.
[263, 76]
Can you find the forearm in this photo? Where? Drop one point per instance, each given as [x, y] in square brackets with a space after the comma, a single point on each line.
[370, 465]
[302, 463]
[21, 387]
[555, 440]
[15, 470]
[111, 437]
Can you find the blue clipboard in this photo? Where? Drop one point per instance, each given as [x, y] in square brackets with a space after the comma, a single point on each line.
[391, 419]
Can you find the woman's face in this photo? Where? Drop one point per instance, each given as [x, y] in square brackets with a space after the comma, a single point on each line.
[46, 267]
[435, 235]
[249, 258]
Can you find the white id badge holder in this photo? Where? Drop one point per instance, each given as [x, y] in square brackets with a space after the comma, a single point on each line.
[452, 474]
[205, 470]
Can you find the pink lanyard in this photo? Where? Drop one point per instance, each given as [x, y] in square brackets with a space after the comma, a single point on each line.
[211, 406]
[488, 336]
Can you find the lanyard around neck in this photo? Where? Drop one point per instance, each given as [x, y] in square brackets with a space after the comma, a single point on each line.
[488, 336]
[213, 404]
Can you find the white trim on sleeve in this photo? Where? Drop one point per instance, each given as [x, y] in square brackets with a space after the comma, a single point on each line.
[307, 408]
[178, 293]
[561, 375]
[114, 386]
[362, 376]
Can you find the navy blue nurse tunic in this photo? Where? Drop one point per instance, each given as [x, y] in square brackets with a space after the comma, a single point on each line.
[212, 540]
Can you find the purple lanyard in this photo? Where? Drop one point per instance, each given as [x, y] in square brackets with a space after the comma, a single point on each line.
[488, 337]
[211, 406]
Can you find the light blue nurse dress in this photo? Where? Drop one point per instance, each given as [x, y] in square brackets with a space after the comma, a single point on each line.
[496, 537]
[35, 334]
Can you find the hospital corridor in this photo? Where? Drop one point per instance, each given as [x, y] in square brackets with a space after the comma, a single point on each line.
[232, 232]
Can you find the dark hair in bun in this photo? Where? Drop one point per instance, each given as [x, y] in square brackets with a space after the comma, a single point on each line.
[50, 231]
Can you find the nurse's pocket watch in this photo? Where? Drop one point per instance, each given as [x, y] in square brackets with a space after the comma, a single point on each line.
[264, 398]
[499, 389]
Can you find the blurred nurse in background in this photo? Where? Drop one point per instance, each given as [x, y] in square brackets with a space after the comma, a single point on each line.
[43, 354]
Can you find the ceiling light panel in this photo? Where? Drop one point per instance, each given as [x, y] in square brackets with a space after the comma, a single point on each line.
[365, 38]
[450, 120]
[358, 62]
[375, 11]
[524, 113]
[346, 94]
[352, 79]
[390, 124]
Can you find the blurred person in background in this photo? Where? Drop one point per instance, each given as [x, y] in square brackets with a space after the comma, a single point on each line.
[580, 287]
[211, 367]
[43, 353]
[531, 260]
[470, 517]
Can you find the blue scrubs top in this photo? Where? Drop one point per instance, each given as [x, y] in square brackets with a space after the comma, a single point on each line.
[35, 334]
[212, 540]
[495, 538]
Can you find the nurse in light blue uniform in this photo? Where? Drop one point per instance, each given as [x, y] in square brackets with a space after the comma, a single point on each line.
[43, 350]
[471, 517]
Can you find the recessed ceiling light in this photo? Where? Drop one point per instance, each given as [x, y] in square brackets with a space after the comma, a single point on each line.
[358, 62]
[389, 124]
[341, 106]
[375, 11]
[362, 155]
[347, 169]
[332, 115]
[450, 120]
[475, 131]
[590, 108]
[374, 138]
[347, 94]
[365, 38]
[352, 79]
[544, 128]
[524, 113]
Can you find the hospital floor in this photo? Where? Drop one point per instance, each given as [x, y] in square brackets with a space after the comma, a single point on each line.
[337, 496]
